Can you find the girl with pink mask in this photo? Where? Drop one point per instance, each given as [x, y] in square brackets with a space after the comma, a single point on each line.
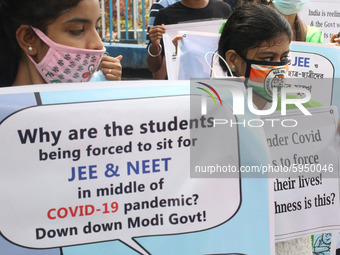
[53, 41]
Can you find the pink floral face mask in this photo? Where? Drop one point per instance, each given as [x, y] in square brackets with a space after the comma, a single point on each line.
[65, 64]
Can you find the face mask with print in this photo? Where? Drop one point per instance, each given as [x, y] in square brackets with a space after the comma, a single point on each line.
[288, 7]
[65, 64]
[263, 76]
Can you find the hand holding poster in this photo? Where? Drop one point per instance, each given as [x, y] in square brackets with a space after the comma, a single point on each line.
[211, 26]
[198, 49]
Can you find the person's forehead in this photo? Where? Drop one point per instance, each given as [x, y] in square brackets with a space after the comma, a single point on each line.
[82, 9]
[278, 41]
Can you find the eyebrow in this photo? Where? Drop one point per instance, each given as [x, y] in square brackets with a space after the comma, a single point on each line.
[81, 20]
[272, 52]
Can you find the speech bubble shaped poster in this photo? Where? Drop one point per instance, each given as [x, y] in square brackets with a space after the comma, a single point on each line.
[314, 64]
[96, 171]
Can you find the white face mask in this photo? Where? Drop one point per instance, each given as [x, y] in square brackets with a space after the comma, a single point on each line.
[65, 64]
[288, 7]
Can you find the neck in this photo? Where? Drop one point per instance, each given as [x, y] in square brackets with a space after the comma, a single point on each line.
[259, 101]
[291, 19]
[195, 4]
[27, 73]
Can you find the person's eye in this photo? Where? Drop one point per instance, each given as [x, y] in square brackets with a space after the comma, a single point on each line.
[77, 32]
[98, 26]
[268, 59]
[285, 59]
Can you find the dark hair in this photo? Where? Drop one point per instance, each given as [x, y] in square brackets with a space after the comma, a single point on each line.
[248, 27]
[300, 34]
[13, 13]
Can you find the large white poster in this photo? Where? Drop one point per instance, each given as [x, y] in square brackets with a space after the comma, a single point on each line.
[171, 54]
[305, 163]
[102, 168]
[323, 14]
[313, 72]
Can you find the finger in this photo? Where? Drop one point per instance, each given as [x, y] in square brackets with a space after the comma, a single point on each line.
[109, 58]
[119, 57]
[332, 38]
[176, 39]
[117, 68]
[112, 69]
[113, 76]
[157, 29]
[111, 63]
[155, 38]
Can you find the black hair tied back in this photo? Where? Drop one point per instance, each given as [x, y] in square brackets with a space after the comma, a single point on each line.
[8, 47]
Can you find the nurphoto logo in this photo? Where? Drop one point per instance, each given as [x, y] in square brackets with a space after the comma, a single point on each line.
[239, 97]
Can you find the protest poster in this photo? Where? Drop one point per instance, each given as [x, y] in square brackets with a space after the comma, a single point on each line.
[211, 26]
[306, 187]
[199, 55]
[315, 67]
[312, 66]
[92, 179]
[324, 15]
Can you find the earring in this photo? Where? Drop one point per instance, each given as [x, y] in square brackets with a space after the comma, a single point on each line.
[30, 48]
[233, 69]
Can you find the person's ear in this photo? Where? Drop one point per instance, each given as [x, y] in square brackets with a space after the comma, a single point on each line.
[234, 61]
[27, 40]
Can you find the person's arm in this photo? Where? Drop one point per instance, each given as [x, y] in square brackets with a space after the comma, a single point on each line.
[155, 50]
[161, 73]
[154, 9]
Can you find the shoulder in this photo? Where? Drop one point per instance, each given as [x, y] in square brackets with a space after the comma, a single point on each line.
[220, 7]
[220, 4]
[232, 3]
[171, 8]
[163, 4]
[171, 2]
[315, 35]
[171, 14]
[154, 9]
[165, 15]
